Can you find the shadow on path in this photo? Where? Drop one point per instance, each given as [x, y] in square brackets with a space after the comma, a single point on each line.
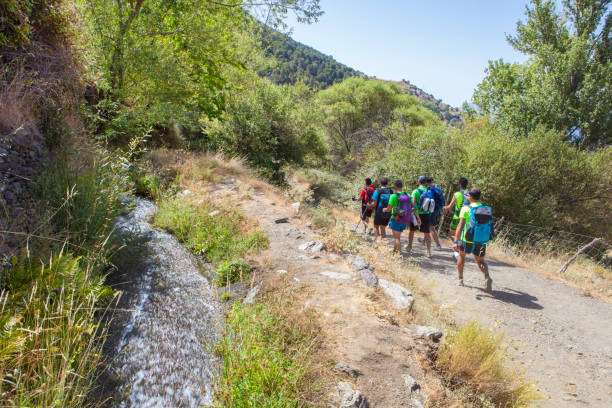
[507, 295]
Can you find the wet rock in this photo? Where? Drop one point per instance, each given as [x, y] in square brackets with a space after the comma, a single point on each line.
[346, 369]
[350, 398]
[369, 278]
[336, 275]
[410, 382]
[250, 297]
[402, 298]
[425, 332]
[359, 263]
[281, 220]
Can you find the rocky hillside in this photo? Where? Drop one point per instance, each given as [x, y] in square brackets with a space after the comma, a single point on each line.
[297, 61]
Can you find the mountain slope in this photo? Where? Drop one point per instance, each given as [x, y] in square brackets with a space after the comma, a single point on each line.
[296, 61]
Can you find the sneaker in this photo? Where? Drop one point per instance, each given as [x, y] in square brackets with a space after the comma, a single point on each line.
[438, 246]
[489, 284]
[460, 282]
[407, 249]
[429, 254]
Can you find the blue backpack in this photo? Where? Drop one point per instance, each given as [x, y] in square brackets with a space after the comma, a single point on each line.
[439, 198]
[427, 201]
[384, 193]
[480, 228]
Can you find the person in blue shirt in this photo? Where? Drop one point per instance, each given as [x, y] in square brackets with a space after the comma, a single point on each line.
[381, 201]
[435, 216]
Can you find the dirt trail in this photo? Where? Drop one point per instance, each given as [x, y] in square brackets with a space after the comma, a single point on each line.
[564, 338]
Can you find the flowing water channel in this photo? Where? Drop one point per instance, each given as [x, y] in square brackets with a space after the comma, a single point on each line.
[167, 320]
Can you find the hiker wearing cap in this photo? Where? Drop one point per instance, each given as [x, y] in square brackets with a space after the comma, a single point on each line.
[402, 213]
[459, 199]
[435, 216]
[423, 210]
[366, 199]
[381, 201]
[475, 229]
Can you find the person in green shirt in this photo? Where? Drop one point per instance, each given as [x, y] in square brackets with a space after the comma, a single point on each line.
[423, 215]
[463, 245]
[456, 204]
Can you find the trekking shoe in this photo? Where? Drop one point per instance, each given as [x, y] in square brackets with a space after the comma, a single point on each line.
[460, 282]
[429, 254]
[438, 246]
[407, 249]
[489, 284]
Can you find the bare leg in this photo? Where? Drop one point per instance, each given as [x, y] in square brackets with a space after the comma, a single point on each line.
[434, 234]
[460, 264]
[427, 241]
[410, 238]
[397, 245]
[484, 268]
[383, 231]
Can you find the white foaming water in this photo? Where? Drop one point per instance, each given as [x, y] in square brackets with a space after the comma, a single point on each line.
[163, 356]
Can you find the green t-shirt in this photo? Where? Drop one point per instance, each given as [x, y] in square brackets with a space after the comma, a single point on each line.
[458, 201]
[394, 200]
[416, 196]
[466, 211]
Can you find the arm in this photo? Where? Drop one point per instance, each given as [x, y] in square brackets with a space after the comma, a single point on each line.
[388, 209]
[458, 233]
[416, 214]
[450, 205]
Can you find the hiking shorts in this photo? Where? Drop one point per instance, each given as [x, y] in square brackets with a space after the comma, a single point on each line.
[479, 249]
[397, 226]
[454, 222]
[435, 219]
[381, 220]
[425, 223]
[365, 211]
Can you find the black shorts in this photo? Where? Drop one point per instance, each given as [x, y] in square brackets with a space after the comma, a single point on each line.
[381, 220]
[479, 249]
[435, 219]
[425, 223]
[365, 211]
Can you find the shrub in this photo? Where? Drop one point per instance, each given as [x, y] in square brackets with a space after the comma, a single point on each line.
[231, 272]
[216, 237]
[476, 357]
[266, 351]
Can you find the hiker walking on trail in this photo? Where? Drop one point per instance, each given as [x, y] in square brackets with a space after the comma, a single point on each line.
[475, 229]
[423, 201]
[402, 213]
[435, 215]
[366, 198]
[459, 199]
[381, 199]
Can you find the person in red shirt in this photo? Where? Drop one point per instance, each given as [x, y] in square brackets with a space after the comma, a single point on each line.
[366, 203]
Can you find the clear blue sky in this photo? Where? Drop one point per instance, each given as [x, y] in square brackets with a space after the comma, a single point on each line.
[441, 46]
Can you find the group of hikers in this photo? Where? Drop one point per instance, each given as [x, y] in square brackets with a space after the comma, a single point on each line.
[470, 227]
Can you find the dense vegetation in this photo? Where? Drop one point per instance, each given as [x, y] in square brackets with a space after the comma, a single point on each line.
[296, 62]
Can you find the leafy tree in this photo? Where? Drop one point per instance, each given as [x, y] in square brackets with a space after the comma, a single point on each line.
[567, 82]
[360, 113]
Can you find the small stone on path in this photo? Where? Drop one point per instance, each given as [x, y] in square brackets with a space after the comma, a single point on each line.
[411, 383]
[350, 398]
[402, 298]
[281, 220]
[425, 332]
[336, 275]
[318, 247]
[346, 369]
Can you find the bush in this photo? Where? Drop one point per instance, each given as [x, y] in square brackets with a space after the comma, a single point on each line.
[476, 357]
[231, 272]
[265, 352]
[217, 237]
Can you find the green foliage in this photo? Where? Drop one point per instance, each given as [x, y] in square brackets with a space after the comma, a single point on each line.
[566, 83]
[359, 114]
[476, 357]
[216, 237]
[231, 272]
[296, 62]
[265, 354]
[269, 126]
[48, 332]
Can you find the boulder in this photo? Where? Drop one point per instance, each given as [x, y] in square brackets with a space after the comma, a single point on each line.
[359, 263]
[369, 278]
[350, 398]
[410, 382]
[346, 369]
[402, 298]
[250, 297]
[318, 247]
